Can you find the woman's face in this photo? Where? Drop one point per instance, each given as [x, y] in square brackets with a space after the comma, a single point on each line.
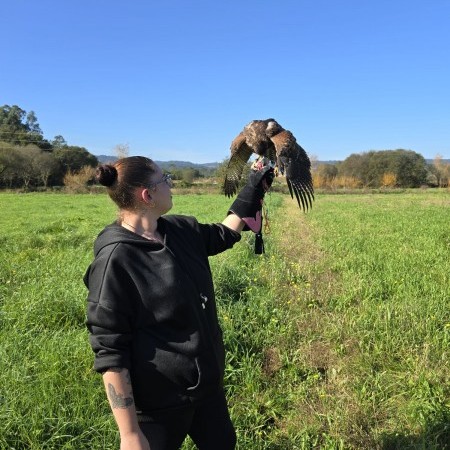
[160, 191]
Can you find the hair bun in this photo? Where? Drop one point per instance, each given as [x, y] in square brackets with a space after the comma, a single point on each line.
[106, 175]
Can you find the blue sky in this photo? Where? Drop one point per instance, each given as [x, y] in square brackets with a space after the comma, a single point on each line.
[178, 80]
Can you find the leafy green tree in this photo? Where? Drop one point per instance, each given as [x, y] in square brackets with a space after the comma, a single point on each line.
[71, 159]
[354, 166]
[9, 164]
[327, 171]
[74, 158]
[58, 142]
[21, 128]
[408, 167]
[189, 174]
[32, 124]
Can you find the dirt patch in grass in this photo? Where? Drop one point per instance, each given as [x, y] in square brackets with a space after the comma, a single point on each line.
[326, 404]
[296, 240]
[271, 361]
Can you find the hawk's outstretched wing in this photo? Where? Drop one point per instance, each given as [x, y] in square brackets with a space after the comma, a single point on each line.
[240, 154]
[269, 139]
[293, 161]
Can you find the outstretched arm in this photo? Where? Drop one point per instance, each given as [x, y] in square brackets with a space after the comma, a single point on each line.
[234, 222]
[120, 395]
[245, 212]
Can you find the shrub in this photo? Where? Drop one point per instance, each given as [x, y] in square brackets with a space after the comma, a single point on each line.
[77, 182]
[389, 179]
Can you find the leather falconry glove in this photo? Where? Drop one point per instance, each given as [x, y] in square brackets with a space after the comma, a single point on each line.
[248, 203]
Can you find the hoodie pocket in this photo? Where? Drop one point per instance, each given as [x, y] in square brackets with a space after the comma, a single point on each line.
[199, 378]
[162, 368]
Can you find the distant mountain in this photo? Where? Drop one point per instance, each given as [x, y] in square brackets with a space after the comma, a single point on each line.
[166, 164]
[183, 164]
[327, 162]
[105, 158]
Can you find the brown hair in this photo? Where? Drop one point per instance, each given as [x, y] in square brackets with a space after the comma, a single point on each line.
[123, 176]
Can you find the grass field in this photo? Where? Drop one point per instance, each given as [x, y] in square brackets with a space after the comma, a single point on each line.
[337, 338]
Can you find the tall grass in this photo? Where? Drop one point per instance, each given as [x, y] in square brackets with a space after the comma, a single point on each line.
[376, 321]
[337, 338]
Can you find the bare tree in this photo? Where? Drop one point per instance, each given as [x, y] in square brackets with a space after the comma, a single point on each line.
[122, 150]
[314, 162]
[439, 170]
[28, 171]
[45, 164]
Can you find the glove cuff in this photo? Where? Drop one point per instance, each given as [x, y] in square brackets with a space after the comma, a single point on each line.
[247, 206]
[252, 222]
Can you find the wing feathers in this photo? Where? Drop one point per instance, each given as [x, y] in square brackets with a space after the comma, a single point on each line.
[291, 159]
[240, 154]
[297, 168]
[283, 141]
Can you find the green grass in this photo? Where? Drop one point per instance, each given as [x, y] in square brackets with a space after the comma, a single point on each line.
[337, 338]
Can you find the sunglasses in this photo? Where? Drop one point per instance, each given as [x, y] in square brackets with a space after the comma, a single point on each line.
[166, 178]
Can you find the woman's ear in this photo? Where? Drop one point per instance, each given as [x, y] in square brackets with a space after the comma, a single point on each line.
[145, 195]
[147, 198]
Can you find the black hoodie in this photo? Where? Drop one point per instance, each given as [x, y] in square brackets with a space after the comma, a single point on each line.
[151, 309]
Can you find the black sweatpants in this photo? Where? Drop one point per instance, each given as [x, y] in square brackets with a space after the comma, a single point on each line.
[208, 424]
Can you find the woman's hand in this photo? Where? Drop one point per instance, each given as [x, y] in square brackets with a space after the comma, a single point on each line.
[120, 395]
[248, 203]
[134, 441]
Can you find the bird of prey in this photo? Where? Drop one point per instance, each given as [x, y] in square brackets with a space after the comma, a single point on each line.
[268, 139]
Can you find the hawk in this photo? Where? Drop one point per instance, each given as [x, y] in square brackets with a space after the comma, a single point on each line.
[278, 147]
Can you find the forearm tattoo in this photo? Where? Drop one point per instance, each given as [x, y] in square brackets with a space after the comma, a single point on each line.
[118, 400]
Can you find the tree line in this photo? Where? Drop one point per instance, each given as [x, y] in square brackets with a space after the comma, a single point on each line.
[385, 168]
[28, 160]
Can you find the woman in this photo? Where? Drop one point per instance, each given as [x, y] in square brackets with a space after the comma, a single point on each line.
[151, 310]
